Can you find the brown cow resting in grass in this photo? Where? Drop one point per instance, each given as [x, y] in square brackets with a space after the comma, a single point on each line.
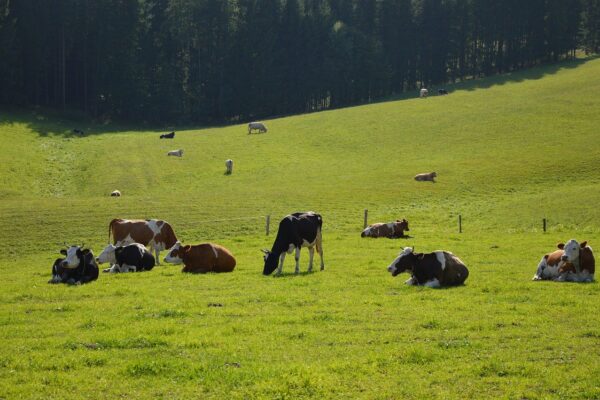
[201, 258]
[389, 230]
[426, 177]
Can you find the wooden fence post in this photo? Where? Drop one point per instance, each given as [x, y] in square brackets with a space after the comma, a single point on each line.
[544, 224]
[366, 217]
[268, 223]
[459, 223]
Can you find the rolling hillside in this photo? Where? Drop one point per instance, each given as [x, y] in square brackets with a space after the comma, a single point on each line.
[508, 151]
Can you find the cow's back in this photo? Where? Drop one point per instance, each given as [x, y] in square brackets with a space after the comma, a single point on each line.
[225, 261]
[125, 231]
[208, 257]
[586, 260]
[455, 271]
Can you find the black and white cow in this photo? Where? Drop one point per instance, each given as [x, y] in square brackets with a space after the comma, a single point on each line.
[437, 269]
[167, 135]
[442, 92]
[133, 257]
[76, 268]
[295, 231]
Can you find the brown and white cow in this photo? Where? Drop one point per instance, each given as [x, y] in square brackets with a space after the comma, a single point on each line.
[426, 177]
[390, 230]
[573, 262]
[154, 233]
[201, 258]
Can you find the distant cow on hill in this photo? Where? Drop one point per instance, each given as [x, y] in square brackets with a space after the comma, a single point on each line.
[442, 92]
[426, 177]
[115, 193]
[228, 167]
[167, 135]
[423, 92]
[390, 230]
[176, 153]
[259, 126]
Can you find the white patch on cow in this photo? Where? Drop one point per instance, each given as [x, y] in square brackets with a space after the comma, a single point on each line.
[71, 261]
[128, 268]
[107, 255]
[434, 283]
[170, 258]
[214, 251]
[153, 225]
[571, 253]
[391, 227]
[127, 240]
[412, 281]
[441, 258]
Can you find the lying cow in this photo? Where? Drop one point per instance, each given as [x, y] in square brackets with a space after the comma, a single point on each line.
[390, 230]
[437, 269]
[115, 193]
[201, 258]
[295, 231]
[133, 257]
[154, 233]
[442, 92]
[426, 177]
[176, 153]
[167, 135]
[257, 126]
[77, 267]
[573, 262]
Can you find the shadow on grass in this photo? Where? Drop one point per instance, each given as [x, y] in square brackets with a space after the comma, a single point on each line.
[293, 274]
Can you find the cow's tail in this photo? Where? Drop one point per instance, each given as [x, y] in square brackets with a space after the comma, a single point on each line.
[110, 225]
[319, 245]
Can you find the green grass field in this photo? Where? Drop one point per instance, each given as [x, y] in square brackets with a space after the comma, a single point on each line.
[508, 151]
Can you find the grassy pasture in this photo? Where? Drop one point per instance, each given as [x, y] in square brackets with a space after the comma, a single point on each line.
[508, 150]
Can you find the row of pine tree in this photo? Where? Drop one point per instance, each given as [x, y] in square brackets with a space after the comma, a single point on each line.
[214, 61]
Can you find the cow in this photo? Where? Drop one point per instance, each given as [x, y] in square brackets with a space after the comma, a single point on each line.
[228, 167]
[201, 258]
[115, 193]
[176, 153]
[423, 93]
[132, 257]
[296, 230]
[442, 92]
[573, 262]
[78, 132]
[437, 269]
[76, 268]
[390, 230]
[426, 177]
[259, 126]
[155, 233]
[167, 135]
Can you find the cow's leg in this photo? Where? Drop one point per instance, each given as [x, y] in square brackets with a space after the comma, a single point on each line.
[297, 257]
[319, 245]
[157, 254]
[540, 270]
[311, 254]
[434, 283]
[412, 281]
[280, 268]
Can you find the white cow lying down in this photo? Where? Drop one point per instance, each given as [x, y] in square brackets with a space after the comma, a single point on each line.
[176, 153]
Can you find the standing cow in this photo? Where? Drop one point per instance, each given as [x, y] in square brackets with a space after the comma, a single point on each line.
[423, 93]
[77, 267]
[155, 233]
[295, 231]
[201, 258]
[228, 167]
[257, 126]
[390, 230]
[437, 269]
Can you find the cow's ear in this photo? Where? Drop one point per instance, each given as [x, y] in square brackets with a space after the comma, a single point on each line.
[583, 244]
[63, 252]
[186, 248]
[560, 246]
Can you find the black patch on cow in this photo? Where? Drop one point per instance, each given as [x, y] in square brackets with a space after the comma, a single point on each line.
[168, 135]
[424, 267]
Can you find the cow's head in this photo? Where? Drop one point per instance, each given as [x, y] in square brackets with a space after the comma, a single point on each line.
[73, 256]
[403, 224]
[571, 250]
[270, 262]
[107, 255]
[433, 174]
[175, 254]
[404, 262]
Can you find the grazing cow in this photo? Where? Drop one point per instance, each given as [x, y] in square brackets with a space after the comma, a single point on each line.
[259, 126]
[77, 267]
[133, 257]
[115, 193]
[78, 132]
[201, 258]
[229, 167]
[573, 262]
[156, 234]
[176, 153]
[442, 92]
[437, 269]
[423, 92]
[390, 230]
[167, 135]
[295, 231]
[426, 177]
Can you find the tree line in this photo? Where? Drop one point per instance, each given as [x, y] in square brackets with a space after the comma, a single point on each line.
[215, 61]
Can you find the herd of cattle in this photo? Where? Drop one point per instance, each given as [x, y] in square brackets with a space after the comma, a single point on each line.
[572, 262]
